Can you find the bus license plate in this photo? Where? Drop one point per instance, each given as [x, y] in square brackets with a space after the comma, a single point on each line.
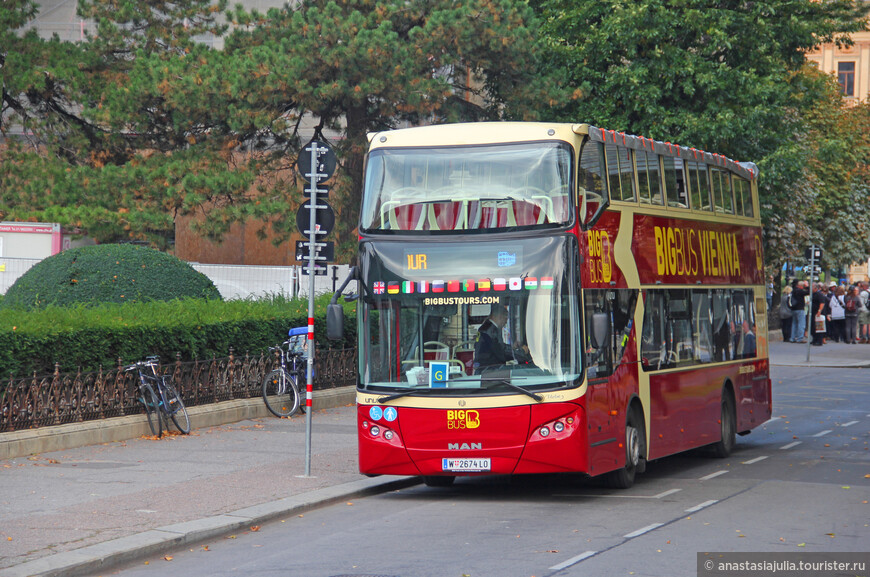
[465, 465]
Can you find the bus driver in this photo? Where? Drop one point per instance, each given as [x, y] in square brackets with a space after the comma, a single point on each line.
[490, 349]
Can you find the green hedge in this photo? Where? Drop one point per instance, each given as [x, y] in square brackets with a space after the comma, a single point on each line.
[88, 337]
[108, 273]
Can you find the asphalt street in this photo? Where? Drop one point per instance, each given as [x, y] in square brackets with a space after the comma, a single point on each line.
[84, 511]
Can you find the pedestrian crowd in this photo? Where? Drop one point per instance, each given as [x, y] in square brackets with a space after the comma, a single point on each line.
[836, 312]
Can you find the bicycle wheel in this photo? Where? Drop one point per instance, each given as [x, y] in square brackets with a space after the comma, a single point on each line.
[149, 399]
[175, 408]
[280, 393]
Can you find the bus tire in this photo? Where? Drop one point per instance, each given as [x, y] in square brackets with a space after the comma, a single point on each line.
[634, 450]
[727, 427]
[439, 480]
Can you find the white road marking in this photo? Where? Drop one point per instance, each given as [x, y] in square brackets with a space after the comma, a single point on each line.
[617, 496]
[701, 506]
[768, 421]
[646, 529]
[573, 560]
[666, 493]
[790, 445]
[849, 424]
[822, 434]
[711, 475]
[755, 460]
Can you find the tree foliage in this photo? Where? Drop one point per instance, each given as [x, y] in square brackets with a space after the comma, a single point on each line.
[727, 76]
[140, 123]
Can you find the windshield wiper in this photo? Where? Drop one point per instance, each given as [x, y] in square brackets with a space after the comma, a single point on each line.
[407, 393]
[518, 388]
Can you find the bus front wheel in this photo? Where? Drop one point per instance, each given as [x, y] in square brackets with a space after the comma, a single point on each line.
[634, 450]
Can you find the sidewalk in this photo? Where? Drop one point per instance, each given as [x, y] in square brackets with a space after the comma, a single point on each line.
[80, 511]
[836, 355]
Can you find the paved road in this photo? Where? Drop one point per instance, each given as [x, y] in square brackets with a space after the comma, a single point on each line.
[796, 484]
[119, 500]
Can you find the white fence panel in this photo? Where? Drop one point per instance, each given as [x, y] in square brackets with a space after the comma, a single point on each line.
[12, 268]
[249, 281]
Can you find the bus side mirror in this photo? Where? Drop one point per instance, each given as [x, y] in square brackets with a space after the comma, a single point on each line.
[334, 322]
[600, 330]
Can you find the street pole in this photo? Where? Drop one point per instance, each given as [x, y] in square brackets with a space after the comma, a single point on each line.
[312, 238]
[810, 317]
[315, 166]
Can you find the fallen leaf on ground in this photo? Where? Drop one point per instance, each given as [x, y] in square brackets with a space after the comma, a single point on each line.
[255, 528]
[167, 557]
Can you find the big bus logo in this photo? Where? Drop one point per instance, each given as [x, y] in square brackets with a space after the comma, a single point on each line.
[600, 256]
[463, 419]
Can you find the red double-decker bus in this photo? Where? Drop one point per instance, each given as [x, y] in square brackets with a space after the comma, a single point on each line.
[546, 298]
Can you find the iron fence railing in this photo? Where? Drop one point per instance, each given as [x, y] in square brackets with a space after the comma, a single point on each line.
[41, 401]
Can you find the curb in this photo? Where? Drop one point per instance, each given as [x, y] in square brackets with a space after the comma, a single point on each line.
[103, 556]
[73, 435]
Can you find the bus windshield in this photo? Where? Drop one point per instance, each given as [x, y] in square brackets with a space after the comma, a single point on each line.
[481, 316]
[467, 188]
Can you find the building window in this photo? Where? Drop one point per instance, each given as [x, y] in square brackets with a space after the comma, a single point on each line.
[846, 77]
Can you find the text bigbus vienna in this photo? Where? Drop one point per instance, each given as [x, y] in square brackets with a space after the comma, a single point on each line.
[542, 298]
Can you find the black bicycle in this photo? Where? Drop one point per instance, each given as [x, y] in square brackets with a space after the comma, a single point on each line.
[281, 385]
[160, 397]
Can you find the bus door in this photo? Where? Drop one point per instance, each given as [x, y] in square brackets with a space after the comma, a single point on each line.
[611, 372]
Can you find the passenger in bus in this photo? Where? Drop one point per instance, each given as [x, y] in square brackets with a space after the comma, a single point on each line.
[490, 349]
[748, 340]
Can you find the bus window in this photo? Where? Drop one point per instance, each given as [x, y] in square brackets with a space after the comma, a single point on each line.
[742, 196]
[702, 326]
[722, 327]
[743, 324]
[653, 348]
[467, 188]
[648, 177]
[675, 186]
[592, 185]
[618, 305]
[700, 186]
[679, 328]
[722, 191]
[620, 173]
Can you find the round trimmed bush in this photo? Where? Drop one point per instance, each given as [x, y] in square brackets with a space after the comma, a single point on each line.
[108, 273]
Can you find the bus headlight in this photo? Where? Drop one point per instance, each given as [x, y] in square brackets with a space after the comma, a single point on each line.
[375, 430]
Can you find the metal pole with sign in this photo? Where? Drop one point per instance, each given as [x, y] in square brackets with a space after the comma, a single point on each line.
[814, 255]
[315, 164]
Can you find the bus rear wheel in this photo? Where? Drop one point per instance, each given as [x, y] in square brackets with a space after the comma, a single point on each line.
[634, 450]
[727, 426]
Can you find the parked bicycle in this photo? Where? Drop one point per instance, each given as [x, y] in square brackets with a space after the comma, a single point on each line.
[160, 397]
[281, 387]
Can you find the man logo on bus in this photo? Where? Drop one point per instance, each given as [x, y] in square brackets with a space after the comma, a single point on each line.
[463, 419]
